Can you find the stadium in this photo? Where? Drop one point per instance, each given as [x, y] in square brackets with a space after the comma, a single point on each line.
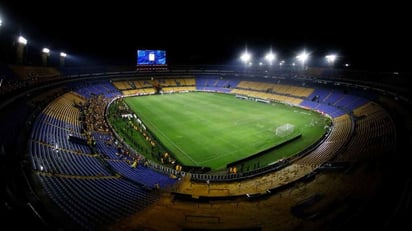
[203, 147]
[71, 183]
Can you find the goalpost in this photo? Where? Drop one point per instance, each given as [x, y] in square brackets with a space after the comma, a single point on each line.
[285, 129]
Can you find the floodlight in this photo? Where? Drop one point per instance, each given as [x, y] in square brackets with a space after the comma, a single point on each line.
[45, 55]
[331, 58]
[270, 57]
[62, 57]
[245, 57]
[303, 57]
[22, 40]
[21, 45]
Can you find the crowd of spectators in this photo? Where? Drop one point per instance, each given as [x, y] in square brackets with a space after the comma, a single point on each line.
[92, 114]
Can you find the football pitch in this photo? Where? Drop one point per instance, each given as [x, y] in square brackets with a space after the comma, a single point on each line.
[213, 130]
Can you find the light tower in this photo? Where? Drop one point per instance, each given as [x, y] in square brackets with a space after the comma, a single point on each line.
[330, 59]
[302, 57]
[270, 57]
[45, 56]
[21, 44]
[62, 57]
[246, 57]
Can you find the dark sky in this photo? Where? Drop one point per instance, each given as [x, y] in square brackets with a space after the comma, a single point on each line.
[368, 37]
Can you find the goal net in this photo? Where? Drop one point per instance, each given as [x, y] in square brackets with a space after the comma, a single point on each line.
[285, 130]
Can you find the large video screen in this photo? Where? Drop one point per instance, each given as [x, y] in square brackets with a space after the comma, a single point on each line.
[151, 57]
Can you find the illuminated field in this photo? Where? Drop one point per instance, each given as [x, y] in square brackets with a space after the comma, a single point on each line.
[212, 130]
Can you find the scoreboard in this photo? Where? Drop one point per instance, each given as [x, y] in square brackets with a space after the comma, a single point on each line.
[151, 57]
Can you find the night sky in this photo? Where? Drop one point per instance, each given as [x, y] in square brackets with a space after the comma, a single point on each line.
[373, 37]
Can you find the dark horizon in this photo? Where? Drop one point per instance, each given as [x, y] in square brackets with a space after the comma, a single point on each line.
[111, 34]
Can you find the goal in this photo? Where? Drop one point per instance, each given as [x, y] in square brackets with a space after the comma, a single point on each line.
[285, 129]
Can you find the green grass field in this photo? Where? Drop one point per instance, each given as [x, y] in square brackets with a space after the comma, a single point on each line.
[212, 130]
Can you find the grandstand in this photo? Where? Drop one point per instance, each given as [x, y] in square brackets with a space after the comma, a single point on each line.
[340, 182]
